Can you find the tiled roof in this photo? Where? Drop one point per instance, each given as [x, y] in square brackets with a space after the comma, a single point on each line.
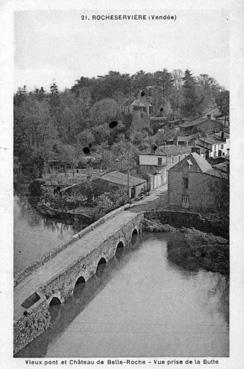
[223, 167]
[195, 161]
[186, 138]
[215, 138]
[155, 119]
[198, 121]
[217, 173]
[202, 163]
[121, 179]
[173, 150]
[198, 163]
[139, 102]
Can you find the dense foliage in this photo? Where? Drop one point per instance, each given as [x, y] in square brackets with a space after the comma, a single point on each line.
[88, 119]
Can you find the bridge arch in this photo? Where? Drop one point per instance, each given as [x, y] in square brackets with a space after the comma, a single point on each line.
[54, 307]
[79, 286]
[119, 249]
[101, 265]
[134, 236]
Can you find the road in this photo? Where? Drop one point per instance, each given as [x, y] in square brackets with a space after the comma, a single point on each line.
[157, 199]
[66, 257]
[82, 248]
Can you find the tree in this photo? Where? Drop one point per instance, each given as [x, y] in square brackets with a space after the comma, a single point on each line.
[164, 80]
[222, 101]
[189, 94]
[104, 111]
[207, 89]
[141, 80]
[86, 138]
[39, 93]
[101, 133]
[177, 77]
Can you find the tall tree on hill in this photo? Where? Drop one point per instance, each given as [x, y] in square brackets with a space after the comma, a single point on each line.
[222, 101]
[141, 80]
[164, 80]
[39, 93]
[189, 95]
[207, 89]
[54, 96]
[177, 76]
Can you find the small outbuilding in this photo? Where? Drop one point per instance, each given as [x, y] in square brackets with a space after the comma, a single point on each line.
[115, 180]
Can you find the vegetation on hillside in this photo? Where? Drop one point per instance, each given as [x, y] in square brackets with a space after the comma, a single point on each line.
[88, 119]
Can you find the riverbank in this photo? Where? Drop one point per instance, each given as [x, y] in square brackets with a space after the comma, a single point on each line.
[192, 249]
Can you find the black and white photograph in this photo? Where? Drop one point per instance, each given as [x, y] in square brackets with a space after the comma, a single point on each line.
[121, 161]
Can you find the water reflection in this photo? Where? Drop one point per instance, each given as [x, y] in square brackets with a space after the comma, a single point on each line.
[82, 296]
[34, 234]
[141, 305]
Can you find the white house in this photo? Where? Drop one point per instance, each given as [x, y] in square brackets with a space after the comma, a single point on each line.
[154, 168]
[217, 144]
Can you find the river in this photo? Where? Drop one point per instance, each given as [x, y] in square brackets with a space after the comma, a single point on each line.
[34, 235]
[142, 305]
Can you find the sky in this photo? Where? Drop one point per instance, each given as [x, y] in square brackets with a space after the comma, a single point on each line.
[58, 46]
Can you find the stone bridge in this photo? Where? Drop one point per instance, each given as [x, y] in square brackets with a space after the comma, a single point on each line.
[54, 281]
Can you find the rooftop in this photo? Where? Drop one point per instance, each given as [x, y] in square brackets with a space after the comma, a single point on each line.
[215, 138]
[199, 164]
[186, 138]
[141, 102]
[223, 167]
[173, 150]
[202, 163]
[155, 119]
[121, 179]
[198, 121]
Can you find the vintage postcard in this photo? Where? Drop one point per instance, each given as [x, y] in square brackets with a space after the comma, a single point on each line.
[120, 161]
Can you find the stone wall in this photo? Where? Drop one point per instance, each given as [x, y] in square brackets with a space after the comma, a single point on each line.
[200, 190]
[31, 325]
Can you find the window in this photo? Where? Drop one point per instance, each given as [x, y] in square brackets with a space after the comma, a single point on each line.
[185, 182]
[159, 161]
[185, 201]
[222, 146]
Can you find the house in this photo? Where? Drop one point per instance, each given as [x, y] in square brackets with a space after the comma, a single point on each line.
[173, 153]
[185, 140]
[114, 180]
[204, 124]
[141, 105]
[217, 144]
[141, 109]
[194, 184]
[153, 168]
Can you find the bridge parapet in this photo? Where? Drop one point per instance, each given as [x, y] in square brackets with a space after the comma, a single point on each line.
[50, 255]
[61, 273]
